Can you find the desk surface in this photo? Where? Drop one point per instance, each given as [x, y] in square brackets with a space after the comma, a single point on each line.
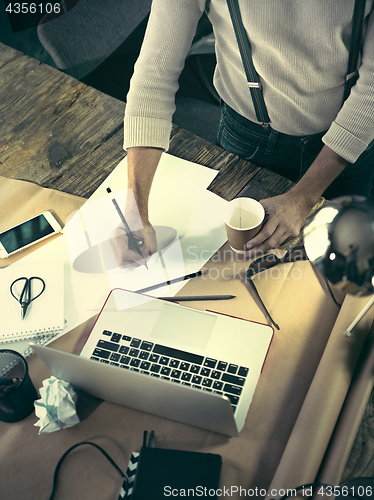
[61, 134]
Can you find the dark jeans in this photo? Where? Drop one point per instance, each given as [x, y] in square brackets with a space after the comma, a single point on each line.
[289, 155]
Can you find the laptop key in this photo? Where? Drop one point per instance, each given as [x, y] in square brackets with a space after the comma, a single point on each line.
[153, 358]
[155, 368]
[126, 338]
[233, 379]
[135, 362]
[215, 374]
[165, 370]
[205, 372]
[195, 369]
[134, 353]
[107, 333]
[207, 382]
[110, 346]
[243, 371]
[101, 353]
[232, 389]
[164, 360]
[175, 374]
[234, 399]
[124, 349]
[135, 342]
[115, 356]
[176, 353]
[210, 363]
[174, 363]
[146, 346]
[184, 366]
[232, 368]
[217, 385]
[222, 365]
[144, 365]
[125, 360]
[116, 337]
[196, 379]
[144, 355]
[186, 376]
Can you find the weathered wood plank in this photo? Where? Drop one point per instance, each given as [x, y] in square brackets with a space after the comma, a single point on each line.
[265, 185]
[55, 127]
[7, 54]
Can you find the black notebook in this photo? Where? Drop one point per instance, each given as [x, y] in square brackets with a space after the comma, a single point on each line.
[176, 474]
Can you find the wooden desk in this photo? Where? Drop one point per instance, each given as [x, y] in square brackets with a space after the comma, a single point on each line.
[61, 134]
[64, 135]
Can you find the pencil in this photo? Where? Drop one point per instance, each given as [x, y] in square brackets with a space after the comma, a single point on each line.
[127, 227]
[185, 298]
[170, 282]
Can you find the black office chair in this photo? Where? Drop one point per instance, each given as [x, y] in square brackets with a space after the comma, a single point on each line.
[99, 46]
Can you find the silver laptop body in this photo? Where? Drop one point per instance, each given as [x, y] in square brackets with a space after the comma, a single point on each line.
[192, 366]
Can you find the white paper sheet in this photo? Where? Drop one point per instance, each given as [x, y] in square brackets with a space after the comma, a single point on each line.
[176, 202]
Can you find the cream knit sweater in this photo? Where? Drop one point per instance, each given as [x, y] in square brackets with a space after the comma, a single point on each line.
[300, 51]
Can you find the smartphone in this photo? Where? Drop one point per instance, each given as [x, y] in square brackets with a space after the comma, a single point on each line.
[26, 234]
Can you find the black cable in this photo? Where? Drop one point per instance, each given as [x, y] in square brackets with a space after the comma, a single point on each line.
[338, 305]
[124, 477]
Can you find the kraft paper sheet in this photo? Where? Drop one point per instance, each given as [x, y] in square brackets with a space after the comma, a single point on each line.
[296, 404]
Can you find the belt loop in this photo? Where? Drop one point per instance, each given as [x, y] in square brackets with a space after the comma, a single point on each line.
[272, 139]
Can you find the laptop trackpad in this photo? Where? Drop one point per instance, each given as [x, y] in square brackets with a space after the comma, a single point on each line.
[188, 327]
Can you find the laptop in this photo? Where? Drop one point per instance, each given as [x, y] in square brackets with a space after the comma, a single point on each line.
[196, 367]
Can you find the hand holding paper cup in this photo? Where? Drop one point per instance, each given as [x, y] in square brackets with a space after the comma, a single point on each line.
[243, 218]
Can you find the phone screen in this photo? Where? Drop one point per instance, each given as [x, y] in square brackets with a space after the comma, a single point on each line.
[26, 233]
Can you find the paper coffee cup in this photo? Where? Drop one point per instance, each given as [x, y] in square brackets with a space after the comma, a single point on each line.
[243, 219]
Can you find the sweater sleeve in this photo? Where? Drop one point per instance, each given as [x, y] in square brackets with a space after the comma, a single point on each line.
[353, 128]
[151, 98]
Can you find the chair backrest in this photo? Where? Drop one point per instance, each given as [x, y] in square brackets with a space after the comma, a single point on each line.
[84, 36]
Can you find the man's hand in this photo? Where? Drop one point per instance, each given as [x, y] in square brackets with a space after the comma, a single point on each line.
[142, 165]
[287, 212]
[286, 216]
[123, 249]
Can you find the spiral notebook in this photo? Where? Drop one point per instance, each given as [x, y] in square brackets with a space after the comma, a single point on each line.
[45, 315]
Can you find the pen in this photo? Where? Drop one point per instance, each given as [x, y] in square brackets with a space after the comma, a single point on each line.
[170, 282]
[127, 227]
[198, 297]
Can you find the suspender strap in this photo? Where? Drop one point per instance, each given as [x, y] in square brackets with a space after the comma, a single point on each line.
[250, 71]
[354, 49]
[251, 74]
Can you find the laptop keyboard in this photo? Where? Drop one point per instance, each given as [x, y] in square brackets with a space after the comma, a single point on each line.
[180, 367]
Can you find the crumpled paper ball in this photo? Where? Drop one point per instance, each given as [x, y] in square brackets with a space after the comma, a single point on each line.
[56, 406]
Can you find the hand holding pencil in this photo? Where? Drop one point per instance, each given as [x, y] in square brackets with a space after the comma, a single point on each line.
[131, 246]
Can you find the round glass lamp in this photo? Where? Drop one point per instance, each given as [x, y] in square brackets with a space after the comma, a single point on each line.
[339, 240]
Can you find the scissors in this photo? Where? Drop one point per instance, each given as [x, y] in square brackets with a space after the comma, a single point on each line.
[25, 297]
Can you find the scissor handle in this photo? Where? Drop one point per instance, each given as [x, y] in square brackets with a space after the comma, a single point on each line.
[43, 283]
[26, 290]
